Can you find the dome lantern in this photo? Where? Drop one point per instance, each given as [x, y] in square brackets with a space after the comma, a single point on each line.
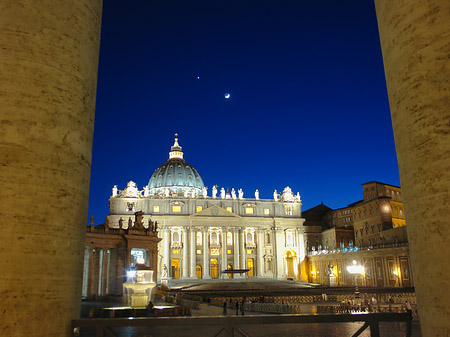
[175, 150]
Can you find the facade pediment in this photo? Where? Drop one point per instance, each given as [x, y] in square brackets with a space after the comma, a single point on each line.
[215, 211]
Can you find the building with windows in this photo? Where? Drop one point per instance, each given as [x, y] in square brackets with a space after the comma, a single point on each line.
[204, 233]
[371, 232]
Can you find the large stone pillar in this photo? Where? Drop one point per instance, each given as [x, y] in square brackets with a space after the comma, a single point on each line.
[205, 274]
[242, 249]
[48, 76]
[415, 41]
[224, 258]
[302, 270]
[193, 252]
[260, 252]
[185, 267]
[236, 249]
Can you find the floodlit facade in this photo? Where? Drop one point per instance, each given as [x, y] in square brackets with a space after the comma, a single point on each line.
[204, 233]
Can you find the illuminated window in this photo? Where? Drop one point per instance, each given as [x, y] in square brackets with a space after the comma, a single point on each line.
[249, 251]
[266, 211]
[229, 251]
[198, 209]
[199, 251]
[199, 238]
[175, 251]
[155, 209]
[248, 210]
[229, 239]
[230, 209]
[176, 209]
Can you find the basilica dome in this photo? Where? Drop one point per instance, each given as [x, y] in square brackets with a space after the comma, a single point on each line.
[175, 176]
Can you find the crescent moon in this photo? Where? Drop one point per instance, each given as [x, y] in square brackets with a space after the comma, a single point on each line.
[227, 95]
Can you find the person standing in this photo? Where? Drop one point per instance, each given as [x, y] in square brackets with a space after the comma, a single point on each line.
[225, 307]
[237, 307]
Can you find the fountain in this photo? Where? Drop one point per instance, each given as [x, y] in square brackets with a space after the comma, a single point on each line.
[139, 287]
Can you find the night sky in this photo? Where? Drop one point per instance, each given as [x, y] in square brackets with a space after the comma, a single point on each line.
[308, 106]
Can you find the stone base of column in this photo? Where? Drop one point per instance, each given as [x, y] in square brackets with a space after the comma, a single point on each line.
[206, 278]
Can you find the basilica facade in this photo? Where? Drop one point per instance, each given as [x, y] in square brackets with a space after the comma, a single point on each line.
[205, 233]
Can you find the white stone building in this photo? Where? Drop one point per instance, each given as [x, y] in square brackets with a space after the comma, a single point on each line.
[205, 233]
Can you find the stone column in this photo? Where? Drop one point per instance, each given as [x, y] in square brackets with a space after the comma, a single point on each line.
[91, 281]
[280, 261]
[166, 248]
[224, 250]
[236, 249]
[242, 248]
[185, 268]
[415, 43]
[48, 62]
[302, 270]
[105, 271]
[260, 252]
[193, 253]
[205, 270]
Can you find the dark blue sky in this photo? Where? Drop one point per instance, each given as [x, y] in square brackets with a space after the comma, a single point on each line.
[308, 106]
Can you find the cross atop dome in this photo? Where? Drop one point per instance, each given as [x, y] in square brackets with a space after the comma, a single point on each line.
[175, 150]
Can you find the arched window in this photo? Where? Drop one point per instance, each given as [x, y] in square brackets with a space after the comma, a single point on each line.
[199, 238]
[268, 237]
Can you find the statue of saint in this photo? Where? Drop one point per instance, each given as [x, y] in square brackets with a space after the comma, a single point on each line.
[222, 193]
[146, 191]
[214, 191]
[166, 192]
[204, 192]
[240, 193]
[165, 272]
[92, 220]
[114, 191]
[298, 197]
[120, 223]
[193, 193]
[275, 195]
[150, 225]
[130, 223]
[107, 221]
[257, 194]
[233, 193]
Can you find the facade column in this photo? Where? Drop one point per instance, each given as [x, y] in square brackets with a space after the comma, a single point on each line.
[302, 270]
[279, 245]
[105, 270]
[166, 248]
[206, 274]
[90, 291]
[260, 252]
[236, 250]
[242, 248]
[415, 44]
[185, 267]
[224, 250]
[49, 61]
[193, 252]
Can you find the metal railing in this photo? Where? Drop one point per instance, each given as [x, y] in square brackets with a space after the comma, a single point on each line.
[229, 326]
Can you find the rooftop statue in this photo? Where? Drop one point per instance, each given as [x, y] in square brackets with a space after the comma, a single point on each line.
[222, 193]
[240, 193]
[257, 194]
[233, 193]
[214, 191]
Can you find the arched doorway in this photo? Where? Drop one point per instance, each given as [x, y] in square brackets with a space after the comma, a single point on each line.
[176, 269]
[198, 271]
[251, 272]
[214, 268]
[230, 275]
[291, 268]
